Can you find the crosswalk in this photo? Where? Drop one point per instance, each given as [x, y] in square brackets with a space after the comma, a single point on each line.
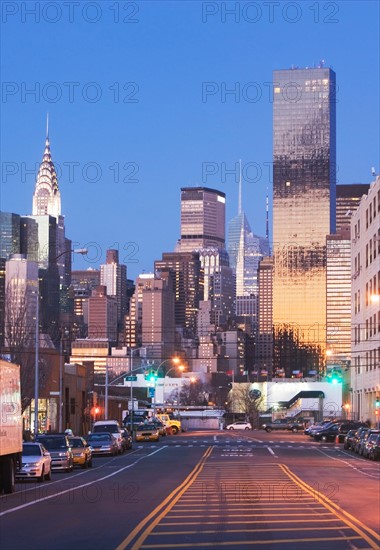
[226, 446]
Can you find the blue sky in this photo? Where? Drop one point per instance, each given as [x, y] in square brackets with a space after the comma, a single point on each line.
[122, 82]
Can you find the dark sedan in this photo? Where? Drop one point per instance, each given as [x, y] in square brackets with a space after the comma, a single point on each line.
[363, 449]
[349, 440]
[373, 447]
[327, 433]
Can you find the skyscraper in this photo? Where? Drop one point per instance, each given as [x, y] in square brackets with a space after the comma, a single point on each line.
[245, 250]
[304, 187]
[203, 219]
[188, 286]
[347, 201]
[113, 275]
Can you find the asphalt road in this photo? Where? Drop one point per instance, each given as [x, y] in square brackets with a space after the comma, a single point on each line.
[203, 490]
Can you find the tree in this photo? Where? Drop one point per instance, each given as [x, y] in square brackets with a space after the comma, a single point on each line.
[243, 398]
[193, 393]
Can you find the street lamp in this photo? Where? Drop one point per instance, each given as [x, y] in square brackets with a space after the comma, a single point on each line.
[82, 251]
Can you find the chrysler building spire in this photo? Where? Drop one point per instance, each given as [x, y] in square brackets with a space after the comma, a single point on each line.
[47, 198]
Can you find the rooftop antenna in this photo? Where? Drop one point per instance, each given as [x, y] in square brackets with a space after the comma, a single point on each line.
[239, 198]
[267, 217]
[47, 125]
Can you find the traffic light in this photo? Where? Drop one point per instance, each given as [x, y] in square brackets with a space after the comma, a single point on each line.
[334, 376]
[377, 403]
[151, 376]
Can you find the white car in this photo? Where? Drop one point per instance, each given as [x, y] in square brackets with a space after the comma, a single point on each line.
[239, 426]
[36, 462]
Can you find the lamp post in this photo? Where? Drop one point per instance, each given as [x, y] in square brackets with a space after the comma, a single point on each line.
[83, 252]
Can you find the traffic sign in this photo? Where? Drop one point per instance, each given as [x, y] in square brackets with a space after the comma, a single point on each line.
[130, 378]
[151, 392]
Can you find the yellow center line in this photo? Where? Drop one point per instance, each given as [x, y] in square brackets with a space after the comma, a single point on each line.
[170, 500]
[347, 518]
[248, 542]
[225, 531]
[225, 522]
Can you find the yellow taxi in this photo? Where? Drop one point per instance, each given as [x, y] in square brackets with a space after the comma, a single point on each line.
[82, 452]
[147, 432]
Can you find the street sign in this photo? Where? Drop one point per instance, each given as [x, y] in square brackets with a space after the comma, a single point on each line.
[130, 378]
[151, 392]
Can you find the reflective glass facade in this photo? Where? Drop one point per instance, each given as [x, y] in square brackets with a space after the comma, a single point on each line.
[303, 197]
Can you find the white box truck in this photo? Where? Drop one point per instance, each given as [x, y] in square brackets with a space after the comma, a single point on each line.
[10, 425]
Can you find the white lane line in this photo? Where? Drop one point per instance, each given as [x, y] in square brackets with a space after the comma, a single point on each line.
[272, 452]
[347, 463]
[79, 486]
[63, 480]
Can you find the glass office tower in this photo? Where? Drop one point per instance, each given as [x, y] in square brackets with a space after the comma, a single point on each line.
[303, 198]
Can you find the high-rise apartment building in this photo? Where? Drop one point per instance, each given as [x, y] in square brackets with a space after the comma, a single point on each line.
[102, 315]
[347, 201]
[338, 298]
[9, 234]
[188, 280]
[113, 275]
[83, 282]
[219, 284]
[158, 325]
[365, 300]
[264, 350]
[304, 186]
[338, 284]
[21, 280]
[203, 219]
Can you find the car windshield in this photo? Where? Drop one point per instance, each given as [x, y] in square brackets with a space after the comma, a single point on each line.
[99, 437]
[53, 442]
[111, 428]
[76, 443]
[31, 450]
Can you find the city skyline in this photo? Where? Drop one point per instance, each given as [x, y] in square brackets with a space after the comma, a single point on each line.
[153, 140]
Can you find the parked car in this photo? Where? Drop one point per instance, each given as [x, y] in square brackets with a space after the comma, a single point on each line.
[82, 452]
[103, 443]
[112, 427]
[239, 425]
[147, 432]
[36, 462]
[319, 426]
[290, 424]
[326, 433]
[356, 438]
[60, 451]
[126, 440]
[346, 426]
[373, 446]
[359, 439]
[363, 450]
[349, 439]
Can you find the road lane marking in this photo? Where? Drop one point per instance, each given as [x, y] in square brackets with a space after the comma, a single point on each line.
[272, 452]
[62, 480]
[217, 531]
[167, 504]
[357, 460]
[253, 542]
[38, 500]
[344, 516]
